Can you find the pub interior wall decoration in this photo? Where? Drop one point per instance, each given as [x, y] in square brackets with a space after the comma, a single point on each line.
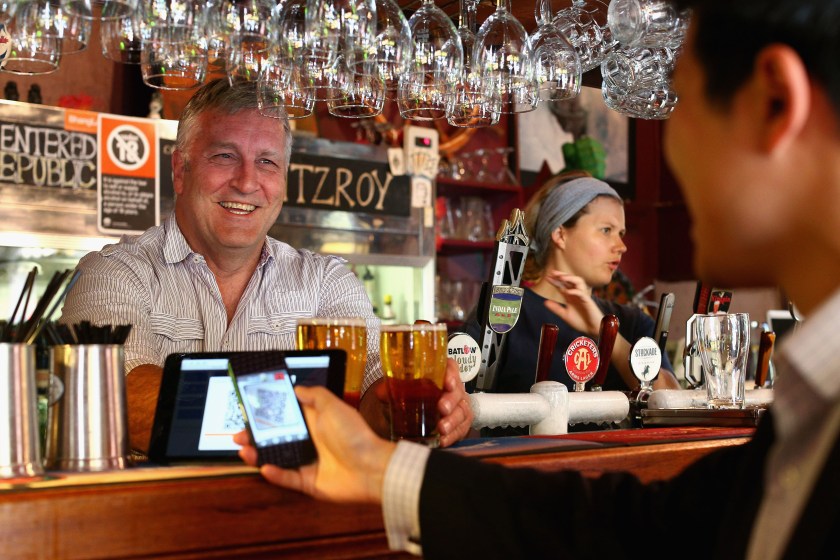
[578, 129]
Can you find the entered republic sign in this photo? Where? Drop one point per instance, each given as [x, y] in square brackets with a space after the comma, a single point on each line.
[347, 185]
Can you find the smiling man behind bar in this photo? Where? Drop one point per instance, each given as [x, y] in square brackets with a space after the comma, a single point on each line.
[209, 279]
[755, 143]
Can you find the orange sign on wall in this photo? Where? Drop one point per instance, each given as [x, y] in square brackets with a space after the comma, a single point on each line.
[128, 174]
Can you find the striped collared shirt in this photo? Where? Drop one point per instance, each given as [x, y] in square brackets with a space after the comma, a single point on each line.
[156, 283]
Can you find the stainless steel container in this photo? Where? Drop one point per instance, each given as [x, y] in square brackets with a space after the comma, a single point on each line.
[87, 423]
[20, 447]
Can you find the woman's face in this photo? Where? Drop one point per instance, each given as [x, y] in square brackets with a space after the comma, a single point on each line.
[593, 247]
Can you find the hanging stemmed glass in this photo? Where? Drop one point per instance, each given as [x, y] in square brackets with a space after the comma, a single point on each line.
[283, 88]
[342, 27]
[556, 62]
[245, 25]
[435, 64]
[33, 48]
[475, 103]
[391, 47]
[121, 39]
[216, 35]
[311, 52]
[503, 57]
[378, 54]
[100, 9]
[174, 50]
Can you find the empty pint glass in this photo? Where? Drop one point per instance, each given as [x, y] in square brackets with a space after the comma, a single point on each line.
[723, 342]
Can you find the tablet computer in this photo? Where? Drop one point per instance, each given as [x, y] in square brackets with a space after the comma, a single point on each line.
[197, 412]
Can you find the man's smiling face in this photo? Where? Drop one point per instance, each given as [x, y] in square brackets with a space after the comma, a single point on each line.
[231, 182]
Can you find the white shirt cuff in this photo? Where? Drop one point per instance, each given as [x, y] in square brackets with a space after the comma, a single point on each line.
[401, 496]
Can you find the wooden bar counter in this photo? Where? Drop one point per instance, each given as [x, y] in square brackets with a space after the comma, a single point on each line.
[231, 512]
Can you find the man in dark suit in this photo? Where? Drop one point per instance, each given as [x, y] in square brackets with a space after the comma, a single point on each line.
[755, 144]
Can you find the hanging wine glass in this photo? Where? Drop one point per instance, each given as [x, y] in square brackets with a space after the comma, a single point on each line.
[317, 59]
[121, 39]
[435, 64]
[556, 63]
[503, 57]
[215, 34]
[174, 51]
[32, 49]
[245, 26]
[344, 26]
[475, 103]
[282, 90]
[392, 45]
[357, 94]
[73, 29]
[100, 9]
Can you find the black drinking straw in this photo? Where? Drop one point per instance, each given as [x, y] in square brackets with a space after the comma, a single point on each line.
[27, 289]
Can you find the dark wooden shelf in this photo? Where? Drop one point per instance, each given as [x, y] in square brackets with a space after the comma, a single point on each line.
[457, 246]
[452, 186]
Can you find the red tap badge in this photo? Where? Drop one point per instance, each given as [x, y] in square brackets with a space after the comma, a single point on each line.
[582, 359]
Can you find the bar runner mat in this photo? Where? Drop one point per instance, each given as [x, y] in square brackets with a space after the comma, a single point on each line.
[492, 447]
[59, 479]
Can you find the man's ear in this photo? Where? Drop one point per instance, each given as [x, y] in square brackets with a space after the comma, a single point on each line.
[783, 90]
[178, 164]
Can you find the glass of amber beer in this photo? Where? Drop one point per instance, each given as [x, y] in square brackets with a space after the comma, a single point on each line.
[414, 363]
[346, 334]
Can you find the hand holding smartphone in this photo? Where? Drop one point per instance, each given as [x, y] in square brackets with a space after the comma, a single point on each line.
[272, 414]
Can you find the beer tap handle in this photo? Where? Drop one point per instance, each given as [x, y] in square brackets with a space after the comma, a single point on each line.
[765, 352]
[548, 340]
[663, 320]
[606, 341]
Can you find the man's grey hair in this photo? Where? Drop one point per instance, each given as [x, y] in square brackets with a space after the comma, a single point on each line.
[219, 95]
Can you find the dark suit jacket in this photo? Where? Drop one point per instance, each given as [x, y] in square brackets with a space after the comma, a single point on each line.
[470, 509]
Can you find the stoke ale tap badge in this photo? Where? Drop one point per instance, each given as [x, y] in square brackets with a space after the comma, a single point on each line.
[505, 305]
[645, 359]
[582, 359]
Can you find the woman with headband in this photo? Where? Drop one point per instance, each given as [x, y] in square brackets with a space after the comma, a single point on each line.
[576, 224]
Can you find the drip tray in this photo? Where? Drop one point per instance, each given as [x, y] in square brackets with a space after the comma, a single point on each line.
[748, 416]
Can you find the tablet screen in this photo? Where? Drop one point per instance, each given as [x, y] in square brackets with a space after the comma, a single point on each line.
[197, 412]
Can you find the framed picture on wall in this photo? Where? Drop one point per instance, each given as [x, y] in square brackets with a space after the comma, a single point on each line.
[543, 132]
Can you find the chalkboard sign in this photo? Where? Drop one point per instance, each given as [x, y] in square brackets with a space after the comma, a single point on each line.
[348, 185]
[44, 156]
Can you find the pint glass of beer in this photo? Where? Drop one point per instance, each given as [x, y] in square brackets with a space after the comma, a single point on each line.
[414, 364]
[346, 334]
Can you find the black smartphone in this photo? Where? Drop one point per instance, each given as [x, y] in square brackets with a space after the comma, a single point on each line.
[272, 414]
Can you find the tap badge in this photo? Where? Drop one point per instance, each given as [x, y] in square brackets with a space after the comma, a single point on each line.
[5, 44]
[582, 359]
[505, 304]
[463, 348]
[645, 359]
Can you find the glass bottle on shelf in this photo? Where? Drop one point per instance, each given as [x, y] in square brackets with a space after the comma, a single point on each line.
[388, 317]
